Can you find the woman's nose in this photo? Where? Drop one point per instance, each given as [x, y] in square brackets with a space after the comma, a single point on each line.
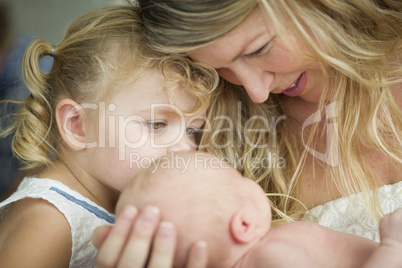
[229, 76]
[256, 82]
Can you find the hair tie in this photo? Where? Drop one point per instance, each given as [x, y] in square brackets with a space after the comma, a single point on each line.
[52, 51]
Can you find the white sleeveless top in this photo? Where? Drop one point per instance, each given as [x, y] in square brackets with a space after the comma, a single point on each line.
[82, 214]
[347, 214]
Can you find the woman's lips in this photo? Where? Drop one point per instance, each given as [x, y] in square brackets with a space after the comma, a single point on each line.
[298, 87]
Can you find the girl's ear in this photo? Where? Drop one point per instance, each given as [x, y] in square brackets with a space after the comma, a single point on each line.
[243, 227]
[70, 121]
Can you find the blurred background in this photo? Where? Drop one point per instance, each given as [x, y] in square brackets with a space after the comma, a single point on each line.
[47, 18]
[22, 21]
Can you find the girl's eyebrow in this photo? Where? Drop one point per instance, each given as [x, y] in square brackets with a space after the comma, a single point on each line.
[163, 110]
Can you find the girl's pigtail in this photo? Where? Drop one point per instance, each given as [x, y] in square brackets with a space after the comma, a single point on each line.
[31, 142]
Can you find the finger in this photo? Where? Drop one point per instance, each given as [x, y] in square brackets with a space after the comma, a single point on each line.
[100, 234]
[391, 226]
[198, 256]
[139, 243]
[163, 247]
[112, 247]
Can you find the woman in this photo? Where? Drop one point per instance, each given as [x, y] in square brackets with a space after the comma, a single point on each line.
[333, 68]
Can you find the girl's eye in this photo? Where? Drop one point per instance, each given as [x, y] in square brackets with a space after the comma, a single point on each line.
[194, 135]
[156, 125]
[190, 131]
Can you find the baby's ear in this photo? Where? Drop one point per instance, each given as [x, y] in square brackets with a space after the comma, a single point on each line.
[70, 121]
[243, 226]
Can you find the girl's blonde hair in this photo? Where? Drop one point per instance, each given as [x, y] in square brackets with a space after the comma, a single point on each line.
[358, 44]
[99, 49]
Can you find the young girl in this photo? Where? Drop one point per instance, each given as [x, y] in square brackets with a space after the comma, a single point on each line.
[108, 107]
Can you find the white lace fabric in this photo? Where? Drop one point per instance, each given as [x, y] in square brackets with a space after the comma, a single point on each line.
[347, 214]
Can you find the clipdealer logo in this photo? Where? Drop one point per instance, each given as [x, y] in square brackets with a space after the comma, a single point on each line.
[331, 155]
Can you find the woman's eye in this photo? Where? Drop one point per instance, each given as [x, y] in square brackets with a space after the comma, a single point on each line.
[155, 125]
[264, 49]
[260, 51]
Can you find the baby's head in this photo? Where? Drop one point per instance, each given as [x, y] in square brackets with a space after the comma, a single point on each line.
[206, 199]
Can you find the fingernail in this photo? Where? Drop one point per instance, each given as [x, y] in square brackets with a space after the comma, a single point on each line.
[166, 229]
[201, 249]
[128, 213]
[151, 214]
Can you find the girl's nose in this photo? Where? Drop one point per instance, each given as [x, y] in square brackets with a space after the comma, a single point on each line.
[183, 145]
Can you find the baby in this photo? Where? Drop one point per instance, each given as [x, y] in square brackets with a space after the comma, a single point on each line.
[207, 199]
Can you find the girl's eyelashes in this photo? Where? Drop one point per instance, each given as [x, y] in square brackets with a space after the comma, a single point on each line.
[190, 131]
[194, 135]
[159, 125]
[156, 125]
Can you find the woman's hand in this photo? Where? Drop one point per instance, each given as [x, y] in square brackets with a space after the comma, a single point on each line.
[128, 242]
